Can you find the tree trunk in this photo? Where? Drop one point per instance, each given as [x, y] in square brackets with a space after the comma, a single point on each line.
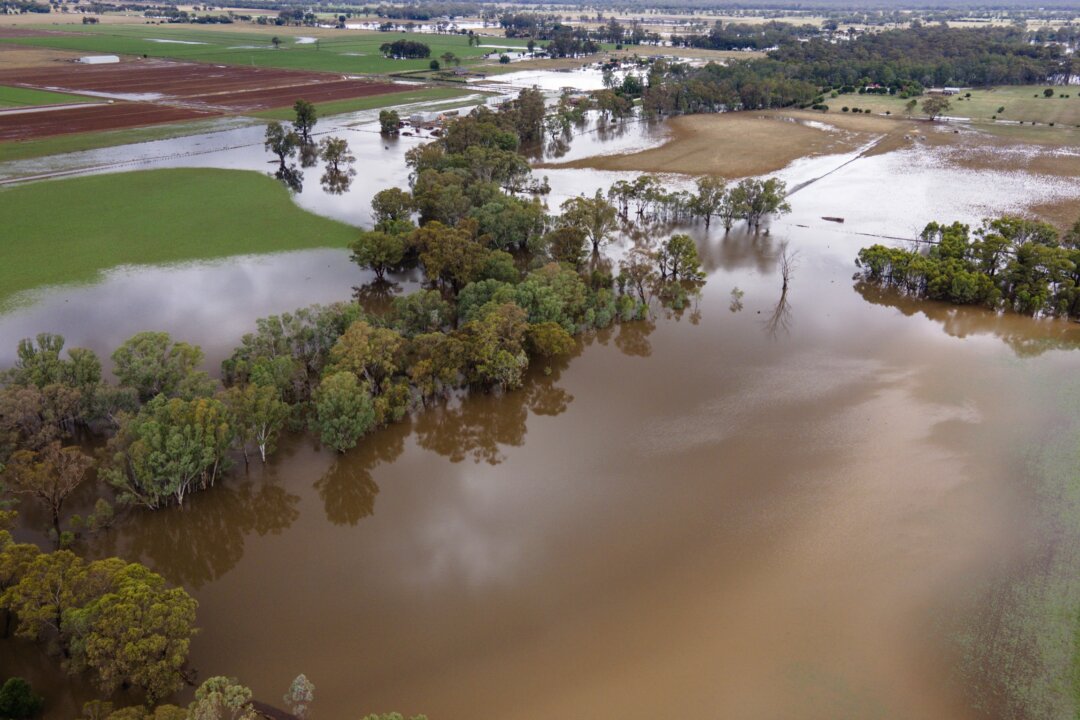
[56, 523]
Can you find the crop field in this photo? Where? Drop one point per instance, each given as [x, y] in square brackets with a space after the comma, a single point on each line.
[92, 117]
[69, 230]
[145, 92]
[17, 97]
[342, 51]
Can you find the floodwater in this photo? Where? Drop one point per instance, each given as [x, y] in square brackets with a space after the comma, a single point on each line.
[767, 506]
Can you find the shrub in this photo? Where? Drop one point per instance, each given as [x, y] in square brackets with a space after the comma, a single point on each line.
[18, 700]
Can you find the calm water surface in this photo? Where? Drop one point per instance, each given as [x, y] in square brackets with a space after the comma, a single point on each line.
[755, 509]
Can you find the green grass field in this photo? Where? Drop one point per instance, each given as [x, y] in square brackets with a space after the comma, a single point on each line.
[13, 97]
[1019, 102]
[68, 231]
[345, 51]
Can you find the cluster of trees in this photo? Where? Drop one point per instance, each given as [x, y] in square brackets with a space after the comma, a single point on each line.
[800, 71]
[117, 620]
[755, 85]
[743, 36]
[405, 50]
[931, 55]
[425, 11]
[1008, 263]
[750, 199]
[286, 143]
[540, 26]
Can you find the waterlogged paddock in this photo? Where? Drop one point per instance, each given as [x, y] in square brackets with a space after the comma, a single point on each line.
[838, 503]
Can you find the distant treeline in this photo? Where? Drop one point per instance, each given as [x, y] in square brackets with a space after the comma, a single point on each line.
[801, 72]
[929, 55]
[739, 36]
[23, 7]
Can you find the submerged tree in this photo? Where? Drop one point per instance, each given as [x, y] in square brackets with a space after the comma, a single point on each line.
[258, 416]
[305, 121]
[335, 152]
[677, 259]
[755, 199]
[595, 217]
[379, 251]
[169, 449]
[152, 364]
[50, 476]
[300, 696]
[343, 410]
[389, 122]
[281, 142]
[222, 698]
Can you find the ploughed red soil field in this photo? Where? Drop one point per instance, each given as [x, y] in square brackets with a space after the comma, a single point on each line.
[26, 125]
[163, 91]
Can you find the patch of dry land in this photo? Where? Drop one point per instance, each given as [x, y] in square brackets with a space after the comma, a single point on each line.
[23, 56]
[735, 145]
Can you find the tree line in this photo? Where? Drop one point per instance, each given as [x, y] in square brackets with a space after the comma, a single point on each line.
[1008, 263]
[800, 71]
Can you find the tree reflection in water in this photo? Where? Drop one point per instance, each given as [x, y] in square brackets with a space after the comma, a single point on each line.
[347, 489]
[309, 154]
[335, 182]
[200, 542]
[292, 177]
[1027, 337]
[377, 296]
[633, 338]
[478, 426]
[779, 322]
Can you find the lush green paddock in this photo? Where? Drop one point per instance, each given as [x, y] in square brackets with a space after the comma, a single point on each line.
[67, 231]
[11, 97]
[1021, 102]
[345, 51]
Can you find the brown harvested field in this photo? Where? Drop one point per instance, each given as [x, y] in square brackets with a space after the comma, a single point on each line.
[25, 56]
[59, 20]
[7, 31]
[156, 91]
[268, 98]
[736, 145]
[23, 126]
[197, 82]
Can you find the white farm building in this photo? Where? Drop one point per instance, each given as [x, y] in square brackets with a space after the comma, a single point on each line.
[99, 59]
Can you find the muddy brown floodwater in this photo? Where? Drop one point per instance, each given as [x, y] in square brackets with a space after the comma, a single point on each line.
[757, 509]
[722, 515]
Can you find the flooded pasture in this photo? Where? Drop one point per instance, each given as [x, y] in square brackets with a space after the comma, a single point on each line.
[766, 506]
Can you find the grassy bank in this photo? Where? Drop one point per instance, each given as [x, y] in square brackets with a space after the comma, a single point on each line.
[68, 231]
[14, 97]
